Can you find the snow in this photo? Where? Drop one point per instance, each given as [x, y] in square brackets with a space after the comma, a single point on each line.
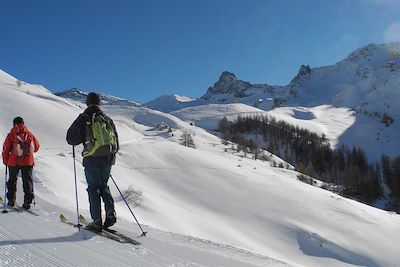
[182, 98]
[167, 103]
[324, 119]
[201, 207]
[43, 241]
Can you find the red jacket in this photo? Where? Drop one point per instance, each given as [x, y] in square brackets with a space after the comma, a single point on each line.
[10, 158]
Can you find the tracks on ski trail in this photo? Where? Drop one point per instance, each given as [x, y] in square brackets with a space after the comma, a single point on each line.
[16, 250]
[27, 240]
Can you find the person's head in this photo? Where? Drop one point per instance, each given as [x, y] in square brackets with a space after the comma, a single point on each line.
[93, 99]
[18, 120]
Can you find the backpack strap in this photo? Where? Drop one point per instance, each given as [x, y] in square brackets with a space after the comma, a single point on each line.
[87, 121]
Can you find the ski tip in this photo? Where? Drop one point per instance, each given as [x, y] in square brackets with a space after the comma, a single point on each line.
[82, 219]
[62, 218]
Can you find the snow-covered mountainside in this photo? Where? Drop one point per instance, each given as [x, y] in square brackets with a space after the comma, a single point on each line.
[168, 103]
[79, 95]
[325, 119]
[366, 83]
[207, 206]
[228, 89]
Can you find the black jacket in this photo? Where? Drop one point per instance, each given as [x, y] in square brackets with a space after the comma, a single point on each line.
[76, 135]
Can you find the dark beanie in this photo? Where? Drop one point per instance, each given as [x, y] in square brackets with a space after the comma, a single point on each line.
[93, 99]
[18, 120]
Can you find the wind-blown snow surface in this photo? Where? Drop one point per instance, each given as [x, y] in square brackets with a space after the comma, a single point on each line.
[204, 193]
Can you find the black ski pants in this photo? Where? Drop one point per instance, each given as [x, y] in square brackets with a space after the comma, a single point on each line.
[27, 181]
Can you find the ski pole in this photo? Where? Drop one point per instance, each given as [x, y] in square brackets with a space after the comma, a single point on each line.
[143, 232]
[33, 192]
[5, 192]
[76, 191]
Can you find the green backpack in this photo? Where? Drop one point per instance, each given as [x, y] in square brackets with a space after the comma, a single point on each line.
[101, 139]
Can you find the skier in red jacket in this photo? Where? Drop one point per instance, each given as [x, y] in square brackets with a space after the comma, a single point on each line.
[18, 149]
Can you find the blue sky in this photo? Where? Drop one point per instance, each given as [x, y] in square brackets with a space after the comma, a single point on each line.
[141, 49]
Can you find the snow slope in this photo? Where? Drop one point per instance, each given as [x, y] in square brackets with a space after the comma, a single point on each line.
[262, 215]
[339, 124]
[26, 240]
[325, 119]
[168, 103]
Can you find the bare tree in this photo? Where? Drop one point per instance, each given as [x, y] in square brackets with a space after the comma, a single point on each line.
[132, 196]
[187, 140]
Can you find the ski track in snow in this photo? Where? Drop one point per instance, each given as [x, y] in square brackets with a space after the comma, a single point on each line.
[15, 250]
[24, 243]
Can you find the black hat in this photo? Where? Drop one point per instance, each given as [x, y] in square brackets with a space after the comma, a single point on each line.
[93, 99]
[18, 120]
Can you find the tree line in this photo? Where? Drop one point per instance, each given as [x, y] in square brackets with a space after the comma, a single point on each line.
[345, 170]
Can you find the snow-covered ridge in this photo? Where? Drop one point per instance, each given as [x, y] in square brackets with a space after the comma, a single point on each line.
[369, 74]
[80, 95]
[367, 79]
[168, 103]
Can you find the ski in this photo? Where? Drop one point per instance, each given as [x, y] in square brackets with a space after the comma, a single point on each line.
[13, 209]
[105, 233]
[121, 235]
[63, 219]
[21, 209]
[18, 209]
[111, 231]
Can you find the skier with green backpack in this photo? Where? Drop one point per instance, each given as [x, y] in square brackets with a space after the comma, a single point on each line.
[96, 131]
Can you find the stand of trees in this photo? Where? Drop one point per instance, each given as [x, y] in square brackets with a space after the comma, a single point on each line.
[391, 177]
[346, 168]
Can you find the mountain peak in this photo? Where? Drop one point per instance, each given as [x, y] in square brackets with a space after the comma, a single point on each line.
[304, 70]
[226, 75]
[363, 52]
[228, 83]
[372, 51]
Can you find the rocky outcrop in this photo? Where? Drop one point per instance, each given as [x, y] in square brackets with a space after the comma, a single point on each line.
[228, 84]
